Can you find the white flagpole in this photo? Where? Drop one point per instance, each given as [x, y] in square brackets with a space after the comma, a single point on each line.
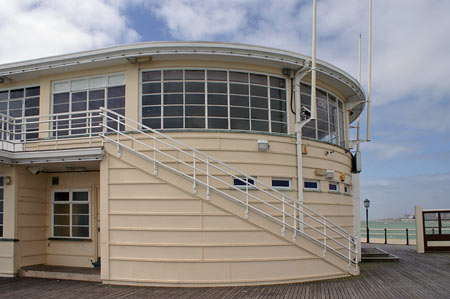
[313, 71]
[369, 87]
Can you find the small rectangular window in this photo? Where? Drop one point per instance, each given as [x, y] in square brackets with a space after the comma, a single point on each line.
[281, 183]
[71, 214]
[242, 181]
[346, 189]
[333, 187]
[311, 185]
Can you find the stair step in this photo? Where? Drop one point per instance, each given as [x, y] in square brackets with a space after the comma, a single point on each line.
[62, 273]
[377, 255]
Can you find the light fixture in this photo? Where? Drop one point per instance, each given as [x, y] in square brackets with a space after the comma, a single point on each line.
[7, 180]
[366, 203]
[263, 145]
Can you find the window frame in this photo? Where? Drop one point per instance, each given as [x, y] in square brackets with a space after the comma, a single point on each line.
[70, 203]
[228, 96]
[247, 179]
[346, 189]
[334, 184]
[311, 181]
[289, 180]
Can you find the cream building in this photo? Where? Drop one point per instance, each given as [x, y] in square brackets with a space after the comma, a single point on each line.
[178, 164]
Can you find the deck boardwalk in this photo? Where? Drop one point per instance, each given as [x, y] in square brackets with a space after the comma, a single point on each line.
[415, 276]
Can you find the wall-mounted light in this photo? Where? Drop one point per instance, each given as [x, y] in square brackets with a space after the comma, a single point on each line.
[7, 180]
[263, 145]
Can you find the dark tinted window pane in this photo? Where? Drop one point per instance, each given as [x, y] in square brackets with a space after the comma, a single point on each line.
[217, 76]
[173, 111]
[80, 196]
[15, 104]
[259, 102]
[60, 98]
[305, 88]
[194, 75]
[151, 76]
[61, 209]
[277, 93]
[240, 124]
[217, 123]
[80, 219]
[116, 103]
[321, 94]
[195, 110]
[277, 82]
[173, 99]
[79, 106]
[280, 183]
[323, 125]
[173, 75]
[173, 87]
[3, 95]
[96, 94]
[306, 100]
[195, 99]
[278, 116]
[258, 79]
[260, 125]
[195, 123]
[173, 123]
[214, 99]
[195, 87]
[258, 91]
[96, 104]
[260, 114]
[333, 187]
[32, 91]
[61, 196]
[151, 100]
[217, 87]
[79, 96]
[238, 89]
[238, 77]
[78, 231]
[151, 88]
[61, 219]
[243, 181]
[118, 91]
[217, 111]
[239, 112]
[151, 111]
[311, 185]
[32, 102]
[154, 123]
[16, 93]
[61, 231]
[279, 127]
[239, 101]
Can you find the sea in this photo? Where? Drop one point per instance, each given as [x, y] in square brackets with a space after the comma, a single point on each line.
[395, 229]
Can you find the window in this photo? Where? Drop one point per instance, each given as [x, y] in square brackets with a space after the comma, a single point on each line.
[346, 189]
[281, 183]
[71, 214]
[1, 206]
[242, 181]
[311, 185]
[213, 99]
[329, 125]
[333, 187]
[78, 96]
[19, 103]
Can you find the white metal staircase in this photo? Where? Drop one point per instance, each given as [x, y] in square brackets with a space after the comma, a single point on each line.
[206, 176]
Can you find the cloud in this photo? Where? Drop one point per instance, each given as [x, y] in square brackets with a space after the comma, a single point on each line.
[385, 151]
[393, 197]
[37, 28]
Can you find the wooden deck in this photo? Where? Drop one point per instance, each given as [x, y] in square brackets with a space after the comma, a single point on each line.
[414, 276]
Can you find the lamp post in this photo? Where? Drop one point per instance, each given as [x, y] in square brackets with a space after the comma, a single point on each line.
[367, 205]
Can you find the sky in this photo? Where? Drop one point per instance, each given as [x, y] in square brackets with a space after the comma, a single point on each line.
[407, 162]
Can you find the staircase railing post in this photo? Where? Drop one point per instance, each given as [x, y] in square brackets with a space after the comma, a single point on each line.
[246, 197]
[324, 236]
[89, 128]
[208, 194]
[155, 162]
[195, 178]
[284, 218]
[104, 120]
[119, 151]
[294, 238]
[349, 252]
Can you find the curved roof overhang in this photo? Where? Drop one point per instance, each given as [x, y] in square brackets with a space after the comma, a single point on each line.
[334, 77]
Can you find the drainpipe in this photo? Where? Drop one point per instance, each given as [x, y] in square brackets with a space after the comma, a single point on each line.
[298, 132]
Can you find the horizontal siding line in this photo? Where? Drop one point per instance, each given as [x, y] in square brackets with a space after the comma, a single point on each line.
[33, 226]
[6, 256]
[70, 254]
[212, 151]
[183, 229]
[328, 203]
[32, 200]
[111, 183]
[202, 283]
[154, 198]
[32, 255]
[33, 240]
[199, 245]
[168, 214]
[275, 259]
[33, 214]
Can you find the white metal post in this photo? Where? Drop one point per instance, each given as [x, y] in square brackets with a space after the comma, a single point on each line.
[313, 70]
[194, 188]
[324, 236]
[246, 198]
[155, 163]
[369, 79]
[208, 194]
[284, 219]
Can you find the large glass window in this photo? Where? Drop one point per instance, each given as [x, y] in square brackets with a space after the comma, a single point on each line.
[71, 214]
[19, 103]
[78, 96]
[213, 99]
[329, 125]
